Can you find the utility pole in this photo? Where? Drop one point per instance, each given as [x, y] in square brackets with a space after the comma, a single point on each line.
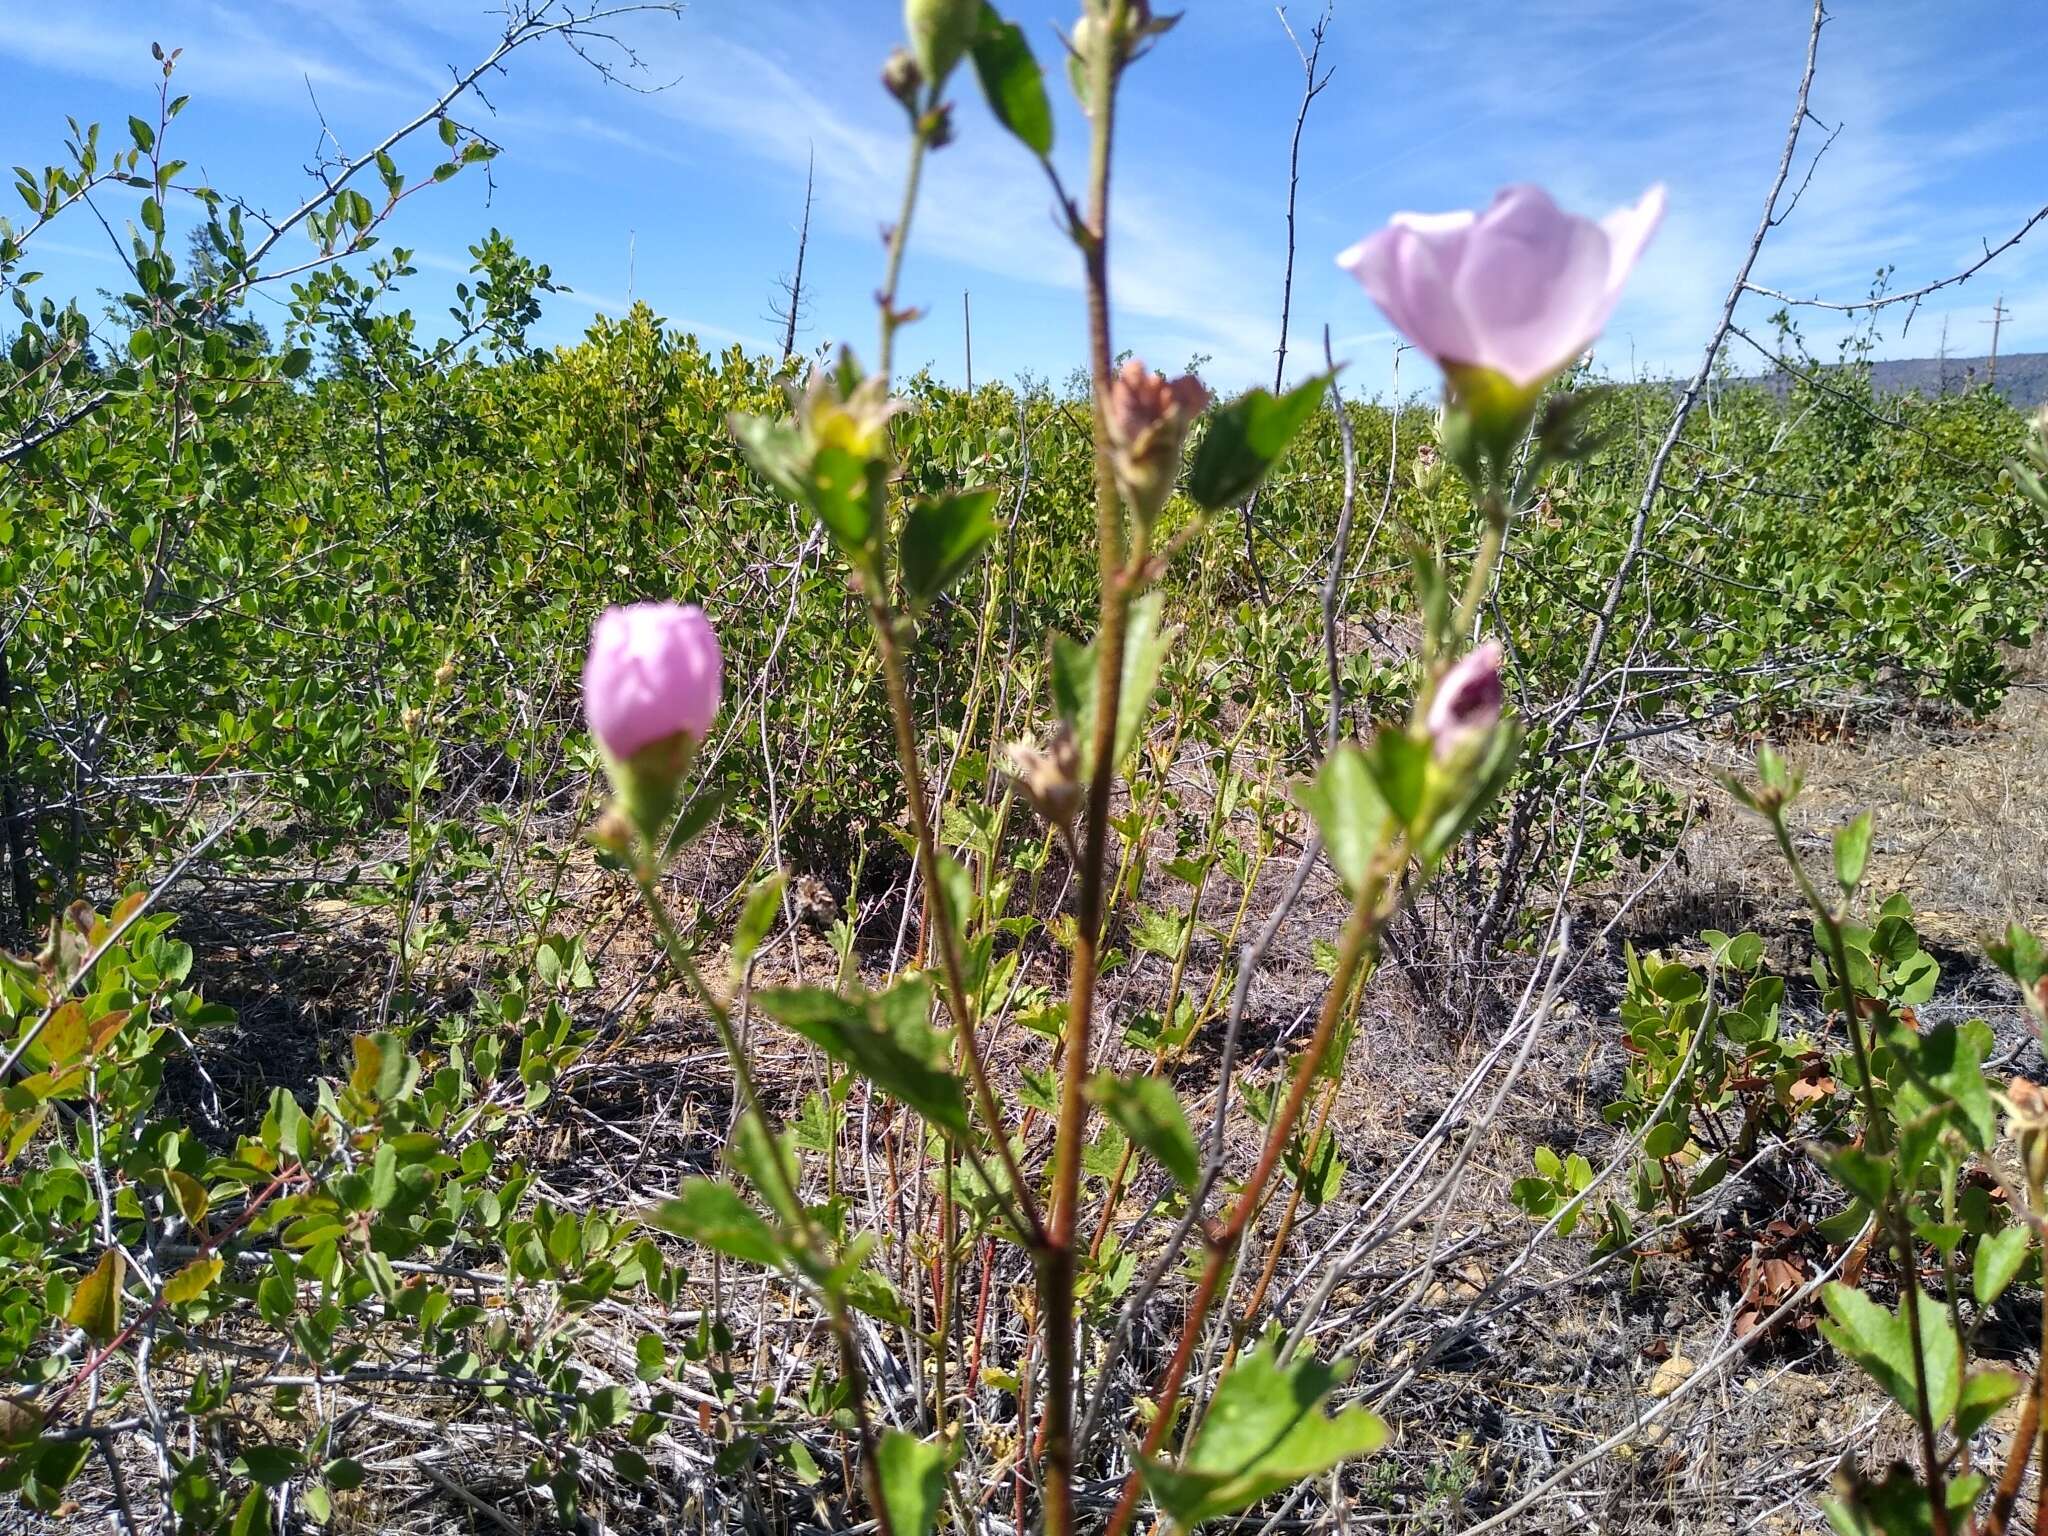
[1942, 360]
[967, 330]
[1999, 315]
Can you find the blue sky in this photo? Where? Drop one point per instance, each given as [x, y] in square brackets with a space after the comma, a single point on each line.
[1943, 145]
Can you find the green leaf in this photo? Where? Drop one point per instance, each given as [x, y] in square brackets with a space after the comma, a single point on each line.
[912, 1473]
[96, 1304]
[776, 450]
[1852, 851]
[801, 1463]
[650, 1357]
[702, 810]
[142, 133]
[1149, 1112]
[344, 1474]
[1013, 82]
[1999, 1257]
[846, 491]
[1399, 765]
[1869, 1178]
[764, 901]
[1265, 1431]
[942, 537]
[1349, 810]
[1074, 679]
[1666, 1138]
[1984, 1393]
[1245, 439]
[271, 1465]
[755, 1152]
[713, 1213]
[885, 1037]
[253, 1517]
[1898, 1506]
[1879, 1341]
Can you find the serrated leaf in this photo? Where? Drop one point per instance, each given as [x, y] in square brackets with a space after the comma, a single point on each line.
[1880, 1342]
[1265, 1431]
[1013, 82]
[1245, 439]
[1349, 810]
[713, 1214]
[912, 1473]
[1074, 676]
[884, 1037]
[1852, 851]
[1998, 1260]
[942, 536]
[1149, 1112]
[1984, 1393]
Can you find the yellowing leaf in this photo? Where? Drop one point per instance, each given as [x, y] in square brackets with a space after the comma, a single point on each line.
[96, 1304]
[191, 1282]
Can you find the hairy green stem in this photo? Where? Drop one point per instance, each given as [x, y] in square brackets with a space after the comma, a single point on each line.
[942, 916]
[899, 237]
[1057, 1265]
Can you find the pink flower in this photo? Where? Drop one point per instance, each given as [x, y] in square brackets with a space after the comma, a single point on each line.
[654, 673]
[1468, 700]
[1521, 289]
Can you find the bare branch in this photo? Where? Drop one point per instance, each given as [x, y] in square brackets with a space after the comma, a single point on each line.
[1914, 295]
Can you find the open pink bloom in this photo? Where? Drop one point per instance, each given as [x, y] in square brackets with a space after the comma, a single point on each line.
[654, 672]
[1468, 700]
[1521, 289]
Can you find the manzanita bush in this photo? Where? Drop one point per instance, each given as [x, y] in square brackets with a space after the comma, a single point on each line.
[184, 1297]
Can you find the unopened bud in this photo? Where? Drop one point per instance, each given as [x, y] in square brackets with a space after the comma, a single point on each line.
[1148, 418]
[445, 673]
[650, 692]
[902, 78]
[1428, 471]
[409, 719]
[940, 32]
[2027, 1108]
[1050, 780]
[1468, 701]
[937, 126]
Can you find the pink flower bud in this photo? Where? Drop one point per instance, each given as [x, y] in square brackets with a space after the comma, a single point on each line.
[1148, 417]
[1520, 290]
[654, 673]
[1468, 700]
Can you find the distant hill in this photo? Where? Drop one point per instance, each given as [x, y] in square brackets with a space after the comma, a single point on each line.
[2022, 377]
